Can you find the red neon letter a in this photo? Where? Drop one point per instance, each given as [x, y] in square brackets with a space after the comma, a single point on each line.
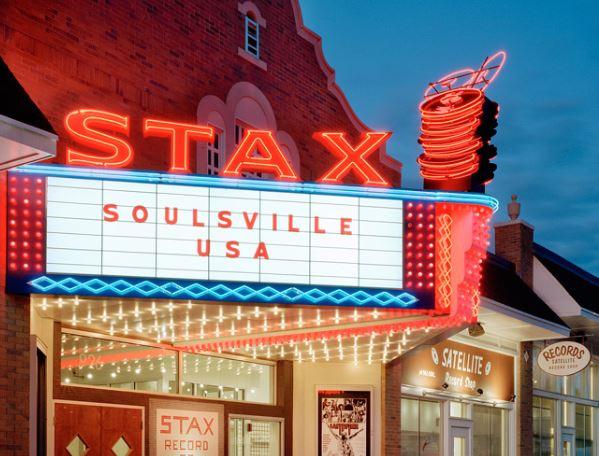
[180, 134]
[353, 158]
[270, 159]
[84, 126]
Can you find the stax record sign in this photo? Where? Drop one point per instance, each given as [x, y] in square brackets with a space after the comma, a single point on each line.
[101, 140]
[564, 358]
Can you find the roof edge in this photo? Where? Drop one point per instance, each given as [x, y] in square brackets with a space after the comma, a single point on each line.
[316, 40]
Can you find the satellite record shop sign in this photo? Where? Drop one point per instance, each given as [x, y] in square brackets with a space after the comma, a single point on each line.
[128, 233]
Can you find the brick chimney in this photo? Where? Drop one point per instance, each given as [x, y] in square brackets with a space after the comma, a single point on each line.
[513, 242]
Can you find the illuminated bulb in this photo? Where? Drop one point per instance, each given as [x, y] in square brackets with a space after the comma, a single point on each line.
[336, 318]
[238, 313]
[120, 314]
[67, 380]
[74, 320]
[153, 308]
[170, 306]
[220, 314]
[265, 325]
[355, 314]
[283, 325]
[188, 305]
[318, 320]
[248, 326]
[60, 303]
[113, 374]
[233, 331]
[89, 376]
[256, 311]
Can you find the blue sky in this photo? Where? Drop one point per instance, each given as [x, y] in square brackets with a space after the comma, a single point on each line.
[385, 52]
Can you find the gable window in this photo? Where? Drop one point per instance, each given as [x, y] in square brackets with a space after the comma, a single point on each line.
[252, 36]
[214, 156]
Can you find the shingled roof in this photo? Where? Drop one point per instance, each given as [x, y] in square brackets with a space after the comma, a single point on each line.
[16, 104]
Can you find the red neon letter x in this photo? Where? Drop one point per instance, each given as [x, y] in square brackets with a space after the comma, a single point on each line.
[181, 134]
[353, 158]
[270, 159]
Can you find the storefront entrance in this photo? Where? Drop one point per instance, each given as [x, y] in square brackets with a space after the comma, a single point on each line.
[459, 438]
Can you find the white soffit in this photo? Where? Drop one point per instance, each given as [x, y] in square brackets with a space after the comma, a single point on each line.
[509, 324]
[21, 143]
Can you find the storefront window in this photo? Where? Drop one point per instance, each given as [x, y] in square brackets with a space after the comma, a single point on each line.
[223, 378]
[458, 410]
[584, 430]
[567, 414]
[489, 431]
[544, 422]
[543, 380]
[420, 427]
[254, 437]
[114, 364]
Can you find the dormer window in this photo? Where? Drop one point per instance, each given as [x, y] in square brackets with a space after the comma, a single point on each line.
[252, 36]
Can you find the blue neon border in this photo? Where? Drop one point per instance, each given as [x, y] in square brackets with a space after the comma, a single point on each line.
[313, 188]
[205, 290]
[218, 291]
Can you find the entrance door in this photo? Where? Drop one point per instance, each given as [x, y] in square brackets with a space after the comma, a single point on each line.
[459, 441]
[94, 430]
[254, 437]
[567, 444]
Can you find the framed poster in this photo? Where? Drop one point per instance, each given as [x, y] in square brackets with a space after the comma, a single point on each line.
[343, 423]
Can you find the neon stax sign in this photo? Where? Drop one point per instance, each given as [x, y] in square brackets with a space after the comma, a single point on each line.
[105, 135]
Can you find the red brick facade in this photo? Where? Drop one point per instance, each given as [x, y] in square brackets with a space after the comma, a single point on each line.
[159, 59]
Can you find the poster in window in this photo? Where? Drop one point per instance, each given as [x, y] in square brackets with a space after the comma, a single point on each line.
[344, 423]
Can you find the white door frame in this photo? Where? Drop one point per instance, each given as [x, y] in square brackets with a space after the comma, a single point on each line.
[460, 428]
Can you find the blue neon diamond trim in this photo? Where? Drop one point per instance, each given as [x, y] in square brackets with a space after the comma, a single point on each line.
[218, 291]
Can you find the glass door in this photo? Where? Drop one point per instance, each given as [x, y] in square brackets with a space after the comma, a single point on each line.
[567, 444]
[459, 441]
[254, 437]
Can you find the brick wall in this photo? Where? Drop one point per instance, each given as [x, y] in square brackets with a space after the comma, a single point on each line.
[160, 58]
[14, 375]
[392, 408]
[524, 434]
[514, 242]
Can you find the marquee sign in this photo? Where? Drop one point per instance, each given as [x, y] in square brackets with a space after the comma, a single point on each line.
[127, 233]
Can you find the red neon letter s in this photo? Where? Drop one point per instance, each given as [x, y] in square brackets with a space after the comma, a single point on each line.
[180, 135]
[353, 158]
[84, 126]
[270, 159]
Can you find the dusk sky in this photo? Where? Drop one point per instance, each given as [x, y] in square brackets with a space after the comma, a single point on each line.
[385, 53]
